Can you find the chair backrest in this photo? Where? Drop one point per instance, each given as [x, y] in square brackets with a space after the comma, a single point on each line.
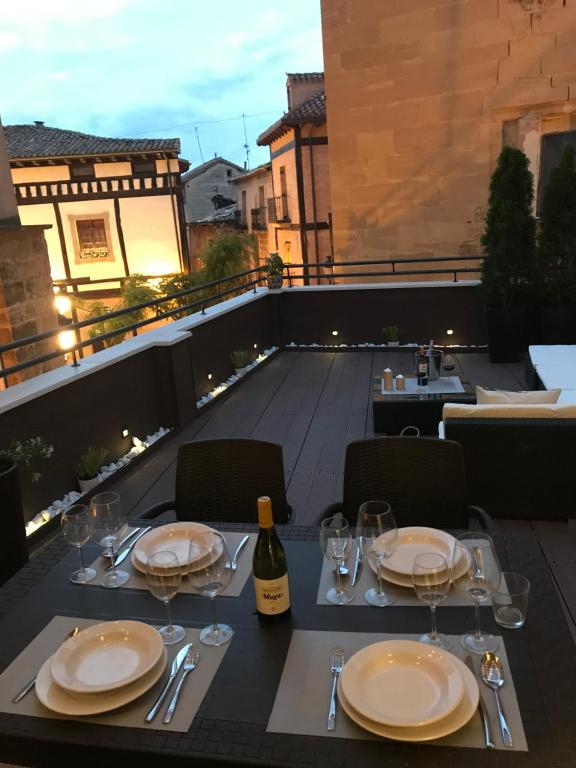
[421, 477]
[519, 468]
[222, 480]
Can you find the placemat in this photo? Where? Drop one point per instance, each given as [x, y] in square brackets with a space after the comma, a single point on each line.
[15, 677]
[441, 386]
[301, 704]
[234, 589]
[366, 579]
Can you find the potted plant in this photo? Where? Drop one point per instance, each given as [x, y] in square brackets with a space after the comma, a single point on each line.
[14, 550]
[274, 270]
[88, 467]
[392, 335]
[557, 252]
[509, 244]
[241, 359]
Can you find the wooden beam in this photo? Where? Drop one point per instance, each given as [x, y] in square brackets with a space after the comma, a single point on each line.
[121, 236]
[62, 240]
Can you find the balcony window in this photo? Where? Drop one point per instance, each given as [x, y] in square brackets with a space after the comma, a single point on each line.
[92, 241]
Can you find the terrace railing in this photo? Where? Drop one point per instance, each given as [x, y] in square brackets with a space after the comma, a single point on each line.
[258, 218]
[278, 209]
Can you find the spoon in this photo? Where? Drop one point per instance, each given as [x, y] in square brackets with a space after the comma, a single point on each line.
[493, 676]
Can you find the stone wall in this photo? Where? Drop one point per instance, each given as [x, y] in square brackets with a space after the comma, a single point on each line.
[421, 95]
[26, 298]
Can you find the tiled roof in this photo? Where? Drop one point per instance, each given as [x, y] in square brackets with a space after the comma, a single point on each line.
[209, 164]
[42, 141]
[220, 216]
[311, 111]
[258, 171]
[306, 77]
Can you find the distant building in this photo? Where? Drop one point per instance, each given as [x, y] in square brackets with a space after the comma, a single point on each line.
[299, 209]
[202, 232]
[253, 190]
[208, 187]
[114, 206]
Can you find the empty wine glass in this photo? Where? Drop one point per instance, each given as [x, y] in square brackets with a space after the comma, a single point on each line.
[377, 530]
[108, 518]
[164, 576]
[476, 574]
[76, 525]
[335, 542]
[209, 573]
[431, 581]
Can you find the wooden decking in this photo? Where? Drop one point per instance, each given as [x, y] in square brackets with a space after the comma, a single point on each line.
[313, 404]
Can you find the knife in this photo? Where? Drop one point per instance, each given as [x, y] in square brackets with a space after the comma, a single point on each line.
[123, 555]
[357, 561]
[488, 737]
[176, 664]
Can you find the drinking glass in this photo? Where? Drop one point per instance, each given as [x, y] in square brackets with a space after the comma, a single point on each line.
[108, 517]
[76, 525]
[164, 576]
[431, 581]
[210, 572]
[377, 530]
[335, 543]
[476, 574]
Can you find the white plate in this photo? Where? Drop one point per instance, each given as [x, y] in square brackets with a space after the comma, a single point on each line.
[106, 656]
[213, 555]
[58, 700]
[415, 540]
[406, 581]
[402, 683]
[174, 537]
[453, 722]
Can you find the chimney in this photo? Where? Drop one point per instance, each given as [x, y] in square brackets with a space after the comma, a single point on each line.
[38, 122]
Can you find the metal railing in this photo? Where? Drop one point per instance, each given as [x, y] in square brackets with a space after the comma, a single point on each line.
[258, 218]
[278, 209]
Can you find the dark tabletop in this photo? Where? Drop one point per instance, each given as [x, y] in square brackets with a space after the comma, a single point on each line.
[230, 727]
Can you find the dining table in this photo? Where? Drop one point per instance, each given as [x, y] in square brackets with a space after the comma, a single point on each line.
[230, 727]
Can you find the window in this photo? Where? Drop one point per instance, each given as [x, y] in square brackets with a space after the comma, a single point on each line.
[82, 171]
[229, 173]
[551, 151]
[92, 241]
[144, 167]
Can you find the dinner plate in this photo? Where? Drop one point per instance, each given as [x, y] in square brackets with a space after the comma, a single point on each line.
[415, 540]
[450, 724]
[53, 697]
[209, 558]
[406, 581]
[402, 683]
[106, 656]
[174, 537]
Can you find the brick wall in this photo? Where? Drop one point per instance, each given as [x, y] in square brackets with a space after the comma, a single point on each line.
[419, 96]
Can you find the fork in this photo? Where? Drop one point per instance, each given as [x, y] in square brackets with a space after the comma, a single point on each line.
[336, 665]
[190, 662]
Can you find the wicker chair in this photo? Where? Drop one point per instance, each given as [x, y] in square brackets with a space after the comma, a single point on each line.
[422, 478]
[220, 480]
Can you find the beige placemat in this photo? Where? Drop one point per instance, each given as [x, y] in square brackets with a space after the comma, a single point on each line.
[367, 578]
[15, 677]
[234, 589]
[301, 704]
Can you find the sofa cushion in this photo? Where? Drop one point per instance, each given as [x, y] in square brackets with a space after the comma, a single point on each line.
[508, 411]
[494, 396]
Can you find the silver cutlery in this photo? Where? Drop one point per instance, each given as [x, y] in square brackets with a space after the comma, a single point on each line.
[239, 548]
[123, 540]
[119, 558]
[190, 663]
[176, 664]
[28, 687]
[488, 737]
[493, 676]
[357, 562]
[336, 666]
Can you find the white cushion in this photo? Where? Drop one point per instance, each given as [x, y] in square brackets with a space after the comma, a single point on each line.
[555, 354]
[500, 396]
[508, 411]
[567, 396]
[562, 376]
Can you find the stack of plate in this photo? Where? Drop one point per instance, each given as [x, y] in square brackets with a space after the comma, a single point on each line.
[413, 541]
[408, 691]
[180, 538]
[102, 668]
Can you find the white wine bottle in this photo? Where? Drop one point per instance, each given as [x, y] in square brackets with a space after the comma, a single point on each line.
[269, 568]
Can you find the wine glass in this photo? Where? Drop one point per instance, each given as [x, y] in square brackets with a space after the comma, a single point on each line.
[335, 542]
[377, 530]
[164, 576]
[210, 572]
[108, 516]
[431, 582]
[476, 574]
[76, 525]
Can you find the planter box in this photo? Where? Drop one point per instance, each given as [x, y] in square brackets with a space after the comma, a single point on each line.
[506, 327]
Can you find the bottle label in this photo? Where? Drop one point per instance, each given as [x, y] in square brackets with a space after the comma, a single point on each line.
[272, 596]
[423, 369]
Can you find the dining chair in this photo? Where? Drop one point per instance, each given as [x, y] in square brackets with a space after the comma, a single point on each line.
[221, 480]
[422, 478]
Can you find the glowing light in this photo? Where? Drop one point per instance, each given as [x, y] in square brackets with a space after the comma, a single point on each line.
[450, 332]
[66, 339]
[62, 304]
[334, 333]
[255, 346]
[125, 432]
[209, 377]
